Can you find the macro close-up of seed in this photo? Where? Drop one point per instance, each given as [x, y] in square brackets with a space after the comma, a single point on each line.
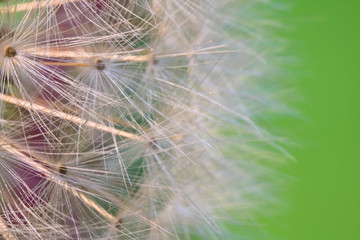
[134, 119]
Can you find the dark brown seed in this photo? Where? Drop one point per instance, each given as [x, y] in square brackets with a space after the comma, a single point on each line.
[10, 51]
[62, 170]
[99, 65]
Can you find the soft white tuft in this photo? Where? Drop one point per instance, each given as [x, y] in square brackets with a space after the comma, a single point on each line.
[129, 119]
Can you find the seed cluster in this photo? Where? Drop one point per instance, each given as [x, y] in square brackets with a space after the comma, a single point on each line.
[115, 117]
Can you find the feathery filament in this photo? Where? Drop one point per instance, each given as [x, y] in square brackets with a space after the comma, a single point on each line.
[111, 117]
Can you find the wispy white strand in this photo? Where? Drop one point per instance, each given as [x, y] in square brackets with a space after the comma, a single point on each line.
[124, 119]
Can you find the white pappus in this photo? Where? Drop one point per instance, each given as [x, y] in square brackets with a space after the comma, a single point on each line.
[129, 119]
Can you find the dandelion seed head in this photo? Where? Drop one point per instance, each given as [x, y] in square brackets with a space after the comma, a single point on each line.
[128, 120]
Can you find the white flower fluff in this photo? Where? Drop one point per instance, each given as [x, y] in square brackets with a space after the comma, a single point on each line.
[130, 119]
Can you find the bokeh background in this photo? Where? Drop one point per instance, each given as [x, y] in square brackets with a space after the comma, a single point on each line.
[322, 201]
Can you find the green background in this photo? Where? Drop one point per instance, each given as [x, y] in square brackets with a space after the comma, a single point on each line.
[323, 202]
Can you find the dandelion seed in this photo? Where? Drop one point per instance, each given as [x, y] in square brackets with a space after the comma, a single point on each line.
[62, 170]
[112, 119]
[9, 52]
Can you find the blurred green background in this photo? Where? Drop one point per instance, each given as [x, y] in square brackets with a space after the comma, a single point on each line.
[322, 198]
[323, 202]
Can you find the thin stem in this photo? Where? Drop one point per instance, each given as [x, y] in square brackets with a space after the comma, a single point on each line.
[66, 64]
[133, 58]
[5, 145]
[69, 117]
[21, 7]
[79, 54]
[117, 121]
